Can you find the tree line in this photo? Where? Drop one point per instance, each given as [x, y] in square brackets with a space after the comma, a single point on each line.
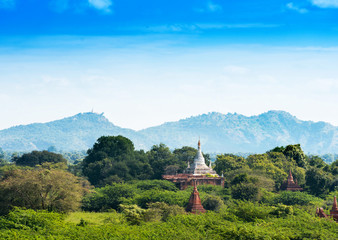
[44, 180]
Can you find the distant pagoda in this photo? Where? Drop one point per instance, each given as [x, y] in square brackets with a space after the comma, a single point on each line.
[199, 167]
[333, 212]
[195, 205]
[290, 184]
[197, 173]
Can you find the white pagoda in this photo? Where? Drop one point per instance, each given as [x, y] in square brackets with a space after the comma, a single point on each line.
[199, 167]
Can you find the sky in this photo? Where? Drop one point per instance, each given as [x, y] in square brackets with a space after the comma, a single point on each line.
[147, 62]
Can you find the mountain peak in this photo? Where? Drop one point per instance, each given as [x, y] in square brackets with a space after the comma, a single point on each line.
[219, 133]
[88, 116]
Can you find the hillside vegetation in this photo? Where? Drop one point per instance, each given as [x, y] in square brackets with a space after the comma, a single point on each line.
[116, 192]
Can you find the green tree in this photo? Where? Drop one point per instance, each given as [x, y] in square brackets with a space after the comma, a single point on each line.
[318, 182]
[38, 158]
[54, 190]
[213, 203]
[228, 162]
[108, 197]
[245, 191]
[292, 152]
[262, 163]
[316, 161]
[160, 157]
[295, 152]
[113, 159]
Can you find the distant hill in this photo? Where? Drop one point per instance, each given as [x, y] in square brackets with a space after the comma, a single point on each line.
[218, 132]
[78, 132]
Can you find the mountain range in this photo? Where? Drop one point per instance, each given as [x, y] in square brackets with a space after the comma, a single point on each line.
[219, 133]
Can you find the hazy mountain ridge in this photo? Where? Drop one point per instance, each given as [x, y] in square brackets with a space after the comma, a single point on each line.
[218, 133]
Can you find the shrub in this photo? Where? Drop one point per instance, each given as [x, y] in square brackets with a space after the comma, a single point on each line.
[108, 197]
[213, 203]
[295, 198]
[245, 191]
[160, 211]
[155, 184]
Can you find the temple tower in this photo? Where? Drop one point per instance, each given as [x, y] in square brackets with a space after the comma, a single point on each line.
[334, 210]
[199, 167]
[290, 184]
[195, 205]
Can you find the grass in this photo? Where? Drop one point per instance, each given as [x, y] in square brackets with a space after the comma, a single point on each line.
[94, 218]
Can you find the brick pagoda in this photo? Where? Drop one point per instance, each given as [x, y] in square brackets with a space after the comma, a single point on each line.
[290, 184]
[333, 212]
[195, 205]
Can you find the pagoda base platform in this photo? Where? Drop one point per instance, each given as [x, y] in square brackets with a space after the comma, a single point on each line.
[186, 180]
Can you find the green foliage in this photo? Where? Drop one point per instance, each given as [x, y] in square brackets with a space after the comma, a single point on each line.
[38, 158]
[154, 184]
[318, 181]
[249, 212]
[282, 210]
[245, 191]
[228, 162]
[179, 198]
[113, 159]
[160, 157]
[241, 220]
[213, 203]
[316, 161]
[108, 197]
[133, 213]
[95, 218]
[295, 152]
[40, 189]
[295, 198]
[161, 211]
[24, 219]
[262, 162]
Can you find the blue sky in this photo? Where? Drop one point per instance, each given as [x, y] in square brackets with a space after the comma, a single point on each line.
[147, 62]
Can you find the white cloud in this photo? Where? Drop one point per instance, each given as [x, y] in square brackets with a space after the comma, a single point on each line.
[325, 3]
[7, 4]
[293, 7]
[103, 5]
[236, 25]
[212, 7]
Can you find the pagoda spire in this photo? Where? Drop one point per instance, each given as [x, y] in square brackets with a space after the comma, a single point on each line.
[290, 184]
[290, 177]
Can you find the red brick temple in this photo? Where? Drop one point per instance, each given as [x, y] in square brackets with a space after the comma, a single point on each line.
[290, 184]
[333, 212]
[195, 205]
[198, 173]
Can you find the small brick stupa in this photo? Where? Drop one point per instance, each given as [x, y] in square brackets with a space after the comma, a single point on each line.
[195, 205]
[333, 212]
[290, 184]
